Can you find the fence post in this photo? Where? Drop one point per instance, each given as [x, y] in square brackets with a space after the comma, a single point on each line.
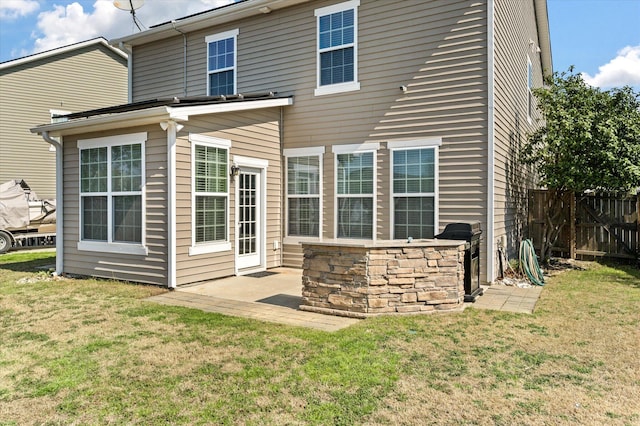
[572, 225]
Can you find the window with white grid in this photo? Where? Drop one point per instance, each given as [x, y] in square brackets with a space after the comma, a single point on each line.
[337, 32]
[304, 180]
[221, 63]
[111, 185]
[413, 184]
[210, 198]
[355, 190]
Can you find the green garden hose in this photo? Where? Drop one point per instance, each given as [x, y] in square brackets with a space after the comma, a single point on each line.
[529, 263]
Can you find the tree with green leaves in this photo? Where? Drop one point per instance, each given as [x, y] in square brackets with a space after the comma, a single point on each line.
[590, 141]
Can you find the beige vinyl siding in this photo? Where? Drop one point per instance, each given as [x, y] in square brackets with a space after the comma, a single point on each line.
[438, 49]
[444, 67]
[150, 269]
[252, 134]
[77, 80]
[515, 27]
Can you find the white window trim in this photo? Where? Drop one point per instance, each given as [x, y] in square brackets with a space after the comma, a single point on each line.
[207, 247]
[340, 87]
[109, 246]
[356, 149]
[315, 151]
[223, 36]
[433, 143]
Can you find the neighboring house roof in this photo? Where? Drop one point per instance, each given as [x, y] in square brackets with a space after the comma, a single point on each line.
[156, 110]
[208, 19]
[60, 50]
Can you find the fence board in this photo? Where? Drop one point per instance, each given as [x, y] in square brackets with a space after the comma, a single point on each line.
[597, 225]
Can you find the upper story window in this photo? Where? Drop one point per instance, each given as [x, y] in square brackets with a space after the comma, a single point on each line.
[355, 190]
[111, 182]
[221, 63]
[337, 48]
[414, 182]
[304, 186]
[529, 89]
[210, 196]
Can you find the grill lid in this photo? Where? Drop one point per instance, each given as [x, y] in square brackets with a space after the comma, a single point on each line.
[460, 231]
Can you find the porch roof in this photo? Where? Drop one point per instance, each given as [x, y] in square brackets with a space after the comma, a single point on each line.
[157, 110]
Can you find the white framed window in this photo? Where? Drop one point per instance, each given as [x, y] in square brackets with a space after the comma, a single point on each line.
[221, 63]
[337, 57]
[210, 194]
[303, 181]
[355, 206]
[529, 89]
[111, 193]
[414, 183]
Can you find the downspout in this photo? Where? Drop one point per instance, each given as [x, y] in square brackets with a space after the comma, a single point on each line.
[59, 211]
[129, 53]
[172, 128]
[184, 59]
[490, 142]
[283, 213]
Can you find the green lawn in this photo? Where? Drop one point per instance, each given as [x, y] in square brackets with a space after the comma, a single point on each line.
[94, 352]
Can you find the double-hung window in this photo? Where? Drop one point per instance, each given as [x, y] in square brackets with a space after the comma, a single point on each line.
[304, 180]
[414, 181]
[210, 197]
[337, 48]
[221, 63]
[355, 190]
[111, 183]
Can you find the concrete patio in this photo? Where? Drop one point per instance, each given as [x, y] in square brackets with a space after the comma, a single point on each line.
[274, 296]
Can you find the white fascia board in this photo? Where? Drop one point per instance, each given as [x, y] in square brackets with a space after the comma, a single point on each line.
[105, 122]
[209, 19]
[61, 50]
[183, 113]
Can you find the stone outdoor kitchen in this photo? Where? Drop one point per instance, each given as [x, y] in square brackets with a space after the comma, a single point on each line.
[360, 279]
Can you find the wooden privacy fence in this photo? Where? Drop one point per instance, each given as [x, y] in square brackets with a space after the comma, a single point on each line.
[595, 225]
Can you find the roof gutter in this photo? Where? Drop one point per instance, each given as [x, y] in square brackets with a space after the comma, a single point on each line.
[208, 19]
[59, 204]
[544, 37]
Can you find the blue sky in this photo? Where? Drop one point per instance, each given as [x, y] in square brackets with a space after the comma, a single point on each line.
[601, 38]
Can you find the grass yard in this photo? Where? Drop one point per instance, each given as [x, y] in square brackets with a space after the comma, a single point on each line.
[94, 352]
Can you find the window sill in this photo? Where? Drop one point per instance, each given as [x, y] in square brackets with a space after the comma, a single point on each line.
[118, 248]
[337, 88]
[209, 248]
[299, 240]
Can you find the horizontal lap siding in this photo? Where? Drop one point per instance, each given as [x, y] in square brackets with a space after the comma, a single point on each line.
[150, 269]
[438, 49]
[252, 134]
[515, 27]
[69, 82]
[444, 68]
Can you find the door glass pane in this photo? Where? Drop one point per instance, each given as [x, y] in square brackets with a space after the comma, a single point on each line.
[248, 215]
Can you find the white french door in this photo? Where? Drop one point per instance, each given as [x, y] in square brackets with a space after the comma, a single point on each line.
[249, 219]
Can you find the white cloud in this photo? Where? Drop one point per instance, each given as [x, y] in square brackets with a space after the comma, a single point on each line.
[12, 9]
[63, 25]
[623, 70]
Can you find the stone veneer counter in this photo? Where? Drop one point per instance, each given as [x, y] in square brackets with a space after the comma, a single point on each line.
[364, 278]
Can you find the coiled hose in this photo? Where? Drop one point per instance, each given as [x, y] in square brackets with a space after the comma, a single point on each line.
[529, 263]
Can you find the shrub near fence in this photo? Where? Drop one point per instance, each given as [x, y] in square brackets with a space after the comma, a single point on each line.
[596, 225]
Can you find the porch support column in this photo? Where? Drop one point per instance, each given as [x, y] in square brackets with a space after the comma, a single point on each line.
[172, 128]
